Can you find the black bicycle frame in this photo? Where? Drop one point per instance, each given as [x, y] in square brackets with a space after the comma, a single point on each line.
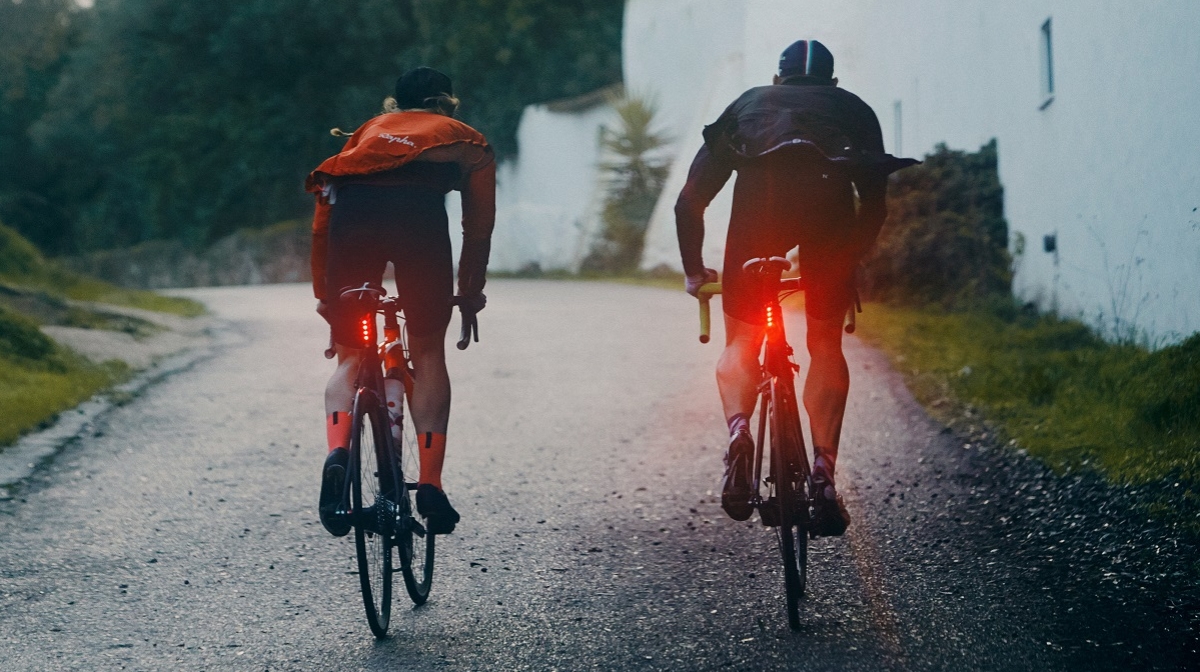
[777, 363]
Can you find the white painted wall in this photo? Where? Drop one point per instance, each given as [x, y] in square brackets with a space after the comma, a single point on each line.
[1110, 166]
[549, 198]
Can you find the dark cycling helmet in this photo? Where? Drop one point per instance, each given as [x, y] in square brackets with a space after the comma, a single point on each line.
[806, 58]
[416, 87]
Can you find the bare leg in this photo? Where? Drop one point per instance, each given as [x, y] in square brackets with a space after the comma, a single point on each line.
[738, 370]
[339, 391]
[431, 390]
[826, 386]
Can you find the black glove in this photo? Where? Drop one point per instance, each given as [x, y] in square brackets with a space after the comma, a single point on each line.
[693, 282]
[472, 266]
[472, 303]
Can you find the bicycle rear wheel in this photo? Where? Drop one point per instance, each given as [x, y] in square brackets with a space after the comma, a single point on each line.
[413, 541]
[374, 514]
[789, 470]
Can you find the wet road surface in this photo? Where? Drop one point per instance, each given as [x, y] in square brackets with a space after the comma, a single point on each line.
[584, 454]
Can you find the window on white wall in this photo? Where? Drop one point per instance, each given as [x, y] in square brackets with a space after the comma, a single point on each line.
[1047, 64]
[898, 121]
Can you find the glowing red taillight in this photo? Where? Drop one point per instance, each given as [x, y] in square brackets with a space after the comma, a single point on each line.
[770, 316]
[367, 324]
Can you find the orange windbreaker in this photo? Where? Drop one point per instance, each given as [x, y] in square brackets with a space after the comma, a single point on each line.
[392, 140]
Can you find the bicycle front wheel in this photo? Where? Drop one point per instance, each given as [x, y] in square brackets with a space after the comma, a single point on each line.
[789, 471]
[374, 514]
[413, 541]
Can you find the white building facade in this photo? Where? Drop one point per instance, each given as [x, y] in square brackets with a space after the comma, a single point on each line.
[1094, 104]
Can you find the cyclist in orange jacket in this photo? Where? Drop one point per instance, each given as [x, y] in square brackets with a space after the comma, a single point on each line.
[381, 199]
[802, 148]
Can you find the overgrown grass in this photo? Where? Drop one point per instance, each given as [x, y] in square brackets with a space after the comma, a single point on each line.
[39, 380]
[22, 264]
[1052, 387]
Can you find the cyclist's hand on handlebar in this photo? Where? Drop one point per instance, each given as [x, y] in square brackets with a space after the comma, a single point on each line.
[472, 266]
[472, 303]
[694, 282]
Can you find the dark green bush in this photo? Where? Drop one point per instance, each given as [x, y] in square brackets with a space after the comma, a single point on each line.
[18, 256]
[1168, 388]
[635, 177]
[137, 120]
[946, 240]
[20, 337]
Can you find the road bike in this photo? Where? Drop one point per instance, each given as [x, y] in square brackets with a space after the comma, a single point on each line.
[782, 496]
[377, 499]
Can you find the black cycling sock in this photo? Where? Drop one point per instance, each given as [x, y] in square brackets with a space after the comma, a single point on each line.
[822, 462]
[738, 421]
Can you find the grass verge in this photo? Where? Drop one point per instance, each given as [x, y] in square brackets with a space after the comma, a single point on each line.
[22, 265]
[1052, 387]
[39, 379]
[83, 288]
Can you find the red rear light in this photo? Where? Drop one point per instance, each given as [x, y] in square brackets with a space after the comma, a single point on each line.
[770, 316]
[367, 323]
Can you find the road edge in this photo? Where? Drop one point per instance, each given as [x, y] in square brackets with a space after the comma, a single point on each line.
[23, 458]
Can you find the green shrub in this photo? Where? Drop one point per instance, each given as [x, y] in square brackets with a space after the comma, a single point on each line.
[1167, 387]
[20, 337]
[1053, 386]
[635, 178]
[18, 256]
[946, 239]
[22, 264]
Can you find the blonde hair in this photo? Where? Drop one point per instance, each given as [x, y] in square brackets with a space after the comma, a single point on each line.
[442, 104]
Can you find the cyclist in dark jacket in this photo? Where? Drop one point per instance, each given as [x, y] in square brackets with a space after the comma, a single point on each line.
[803, 148]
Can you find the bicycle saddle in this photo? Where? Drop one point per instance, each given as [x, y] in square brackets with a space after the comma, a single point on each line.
[760, 265]
[362, 293]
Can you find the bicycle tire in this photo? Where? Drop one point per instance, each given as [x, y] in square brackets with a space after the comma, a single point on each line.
[373, 514]
[414, 544]
[789, 473]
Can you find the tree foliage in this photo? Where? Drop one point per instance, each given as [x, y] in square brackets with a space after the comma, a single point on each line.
[35, 38]
[945, 240]
[635, 176]
[155, 119]
[506, 54]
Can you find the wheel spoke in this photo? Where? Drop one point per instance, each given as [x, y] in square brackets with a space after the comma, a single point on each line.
[371, 537]
[416, 544]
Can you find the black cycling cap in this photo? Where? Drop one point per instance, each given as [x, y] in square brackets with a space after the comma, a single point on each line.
[806, 58]
[417, 86]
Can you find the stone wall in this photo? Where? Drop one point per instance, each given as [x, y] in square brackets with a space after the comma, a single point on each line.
[279, 253]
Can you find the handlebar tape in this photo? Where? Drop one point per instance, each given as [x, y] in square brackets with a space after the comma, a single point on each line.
[470, 327]
[706, 292]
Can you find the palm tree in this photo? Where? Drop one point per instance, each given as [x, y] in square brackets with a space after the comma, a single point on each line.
[634, 177]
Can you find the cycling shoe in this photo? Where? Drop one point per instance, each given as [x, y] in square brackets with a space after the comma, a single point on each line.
[831, 516]
[434, 506]
[333, 479]
[736, 486]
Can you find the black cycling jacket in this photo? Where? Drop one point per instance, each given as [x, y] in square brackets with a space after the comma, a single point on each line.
[833, 122]
[819, 124]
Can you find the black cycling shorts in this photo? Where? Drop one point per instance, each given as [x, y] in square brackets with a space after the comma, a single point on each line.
[778, 205]
[370, 225]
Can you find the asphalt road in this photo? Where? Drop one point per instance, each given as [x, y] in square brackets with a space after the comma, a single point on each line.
[584, 454]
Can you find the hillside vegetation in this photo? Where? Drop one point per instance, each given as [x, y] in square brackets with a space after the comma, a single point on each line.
[141, 120]
[941, 275]
[38, 378]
